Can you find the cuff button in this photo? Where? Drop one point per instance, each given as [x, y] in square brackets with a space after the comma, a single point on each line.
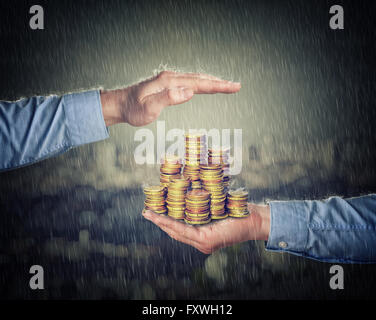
[282, 244]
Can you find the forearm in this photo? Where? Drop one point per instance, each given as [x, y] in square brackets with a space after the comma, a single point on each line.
[40, 127]
[334, 230]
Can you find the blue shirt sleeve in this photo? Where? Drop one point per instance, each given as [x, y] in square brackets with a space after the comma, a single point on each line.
[335, 230]
[40, 127]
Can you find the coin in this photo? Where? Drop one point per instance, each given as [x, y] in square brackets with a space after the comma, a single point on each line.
[170, 168]
[211, 176]
[176, 191]
[195, 153]
[197, 204]
[238, 193]
[236, 203]
[221, 156]
[198, 193]
[197, 222]
[155, 199]
[154, 189]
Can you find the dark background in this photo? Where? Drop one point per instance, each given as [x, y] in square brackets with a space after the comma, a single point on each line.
[306, 109]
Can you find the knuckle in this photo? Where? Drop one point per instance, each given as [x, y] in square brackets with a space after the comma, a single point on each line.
[164, 74]
[173, 236]
[151, 112]
[205, 249]
[171, 95]
[205, 237]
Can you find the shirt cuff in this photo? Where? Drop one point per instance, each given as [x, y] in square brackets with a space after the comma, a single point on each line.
[84, 116]
[288, 227]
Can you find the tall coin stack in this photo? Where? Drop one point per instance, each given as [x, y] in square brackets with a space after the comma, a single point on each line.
[177, 189]
[236, 204]
[195, 153]
[155, 199]
[221, 156]
[170, 168]
[197, 207]
[211, 176]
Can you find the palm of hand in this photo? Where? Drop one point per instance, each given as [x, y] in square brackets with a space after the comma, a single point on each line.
[211, 237]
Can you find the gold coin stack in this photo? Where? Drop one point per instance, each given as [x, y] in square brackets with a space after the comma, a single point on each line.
[236, 204]
[197, 207]
[170, 168]
[221, 156]
[177, 189]
[155, 199]
[195, 153]
[196, 184]
[211, 176]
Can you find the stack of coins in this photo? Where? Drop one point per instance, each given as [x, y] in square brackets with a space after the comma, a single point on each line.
[196, 184]
[170, 168]
[211, 176]
[221, 156]
[197, 203]
[237, 204]
[176, 197]
[155, 199]
[195, 153]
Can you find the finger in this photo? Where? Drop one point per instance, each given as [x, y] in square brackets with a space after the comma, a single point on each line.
[198, 82]
[175, 226]
[179, 237]
[168, 97]
[206, 86]
[197, 75]
[172, 232]
[170, 74]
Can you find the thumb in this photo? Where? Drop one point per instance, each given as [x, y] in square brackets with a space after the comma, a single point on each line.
[169, 97]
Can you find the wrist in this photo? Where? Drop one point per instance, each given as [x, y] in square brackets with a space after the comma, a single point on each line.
[112, 102]
[264, 212]
[259, 222]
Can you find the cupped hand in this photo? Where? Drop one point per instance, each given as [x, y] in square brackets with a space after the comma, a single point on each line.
[219, 234]
[143, 102]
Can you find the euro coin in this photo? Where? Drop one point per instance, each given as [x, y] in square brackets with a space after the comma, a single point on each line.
[237, 194]
[234, 215]
[236, 203]
[155, 199]
[211, 176]
[198, 195]
[220, 217]
[170, 168]
[198, 222]
[176, 191]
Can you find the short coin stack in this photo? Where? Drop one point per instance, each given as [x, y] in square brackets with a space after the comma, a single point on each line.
[177, 189]
[155, 199]
[237, 204]
[196, 184]
[211, 176]
[170, 168]
[221, 156]
[197, 203]
[195, 151]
